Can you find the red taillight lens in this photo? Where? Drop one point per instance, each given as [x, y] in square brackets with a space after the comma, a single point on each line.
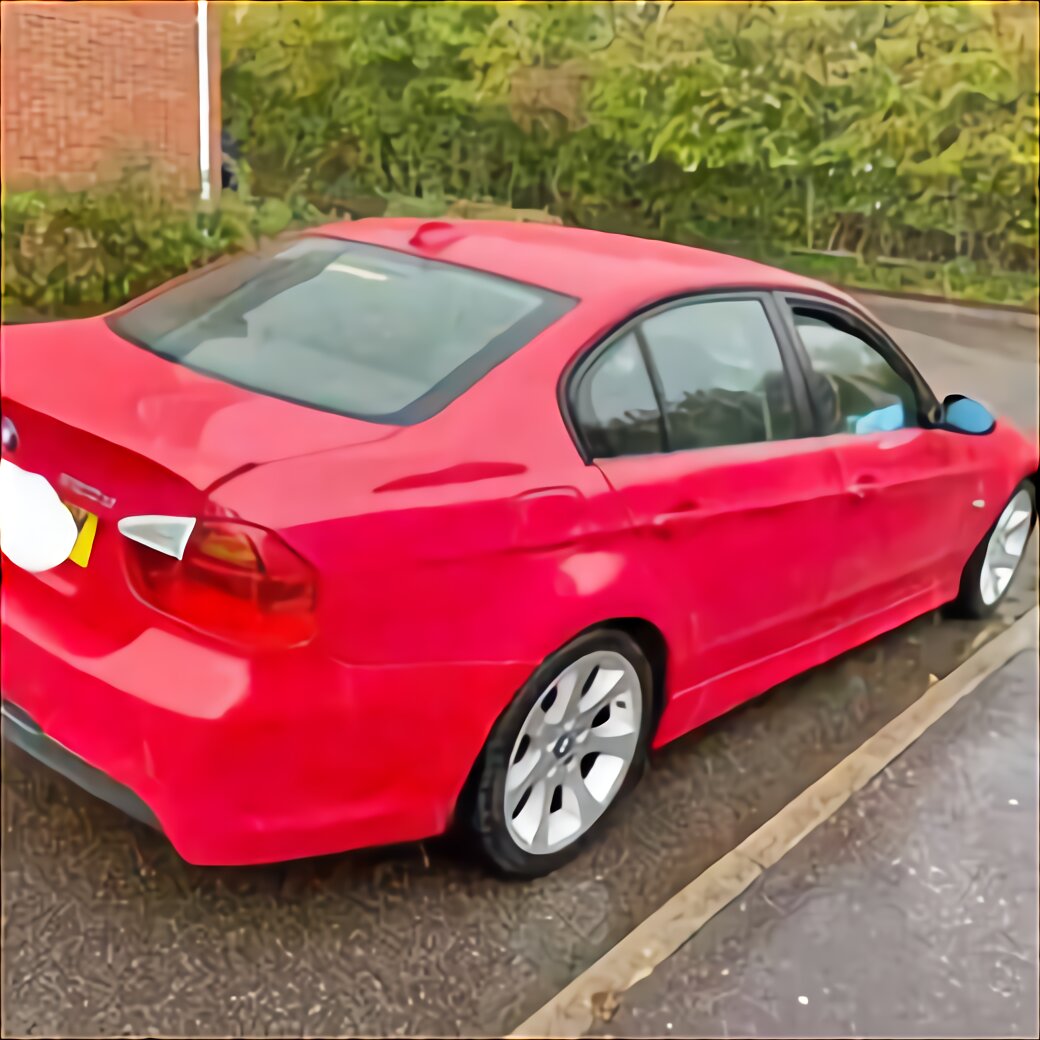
[236, 581]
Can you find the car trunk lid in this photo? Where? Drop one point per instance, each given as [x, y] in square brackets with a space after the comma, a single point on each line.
[120, 431]
[98, 388]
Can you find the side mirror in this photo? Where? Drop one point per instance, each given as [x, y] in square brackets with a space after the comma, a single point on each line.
[964, 415]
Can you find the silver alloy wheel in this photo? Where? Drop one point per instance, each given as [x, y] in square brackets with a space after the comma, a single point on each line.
[1006, 545]
[573, 752]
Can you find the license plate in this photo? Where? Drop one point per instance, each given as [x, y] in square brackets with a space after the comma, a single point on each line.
[86, 524]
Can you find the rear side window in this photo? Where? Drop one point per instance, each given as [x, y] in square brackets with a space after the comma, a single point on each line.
[616, 407]
[721, 374]
[344, 326]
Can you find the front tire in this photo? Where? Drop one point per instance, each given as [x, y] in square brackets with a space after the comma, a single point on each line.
[563, 754]
[988, 573]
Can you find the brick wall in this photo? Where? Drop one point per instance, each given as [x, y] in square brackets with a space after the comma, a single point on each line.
[88, 87]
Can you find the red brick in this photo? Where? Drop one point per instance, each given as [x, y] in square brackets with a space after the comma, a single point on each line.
[89, 85]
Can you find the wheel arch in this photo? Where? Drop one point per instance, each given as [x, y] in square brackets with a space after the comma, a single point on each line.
[650, 640]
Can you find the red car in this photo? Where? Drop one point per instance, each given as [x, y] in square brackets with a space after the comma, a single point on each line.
[400, 523]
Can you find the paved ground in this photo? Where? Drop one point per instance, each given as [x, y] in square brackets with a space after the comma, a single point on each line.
[949, 344]
[912, 912]
[107, 932]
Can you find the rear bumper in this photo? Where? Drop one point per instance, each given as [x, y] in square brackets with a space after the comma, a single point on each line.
[243, 759]
[21, 731]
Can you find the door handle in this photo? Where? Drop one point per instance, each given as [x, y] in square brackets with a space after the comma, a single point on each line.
[670, 517]
[863, 483]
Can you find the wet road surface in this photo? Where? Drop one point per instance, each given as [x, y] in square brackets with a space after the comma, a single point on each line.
[962, 351]
[107, 931]
[911, 912]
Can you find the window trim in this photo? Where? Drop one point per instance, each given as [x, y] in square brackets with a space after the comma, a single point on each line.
[578, 367]
[928, 408]
[580, 390]
[656, 386]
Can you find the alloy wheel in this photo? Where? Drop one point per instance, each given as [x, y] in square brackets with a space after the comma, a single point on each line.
[573, 752]
[1006, 545]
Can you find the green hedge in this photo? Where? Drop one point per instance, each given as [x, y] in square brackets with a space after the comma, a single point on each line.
[72, 253]
[887, 146]
[902, 130]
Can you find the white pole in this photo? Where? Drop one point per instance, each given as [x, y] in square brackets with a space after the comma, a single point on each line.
[202, 34]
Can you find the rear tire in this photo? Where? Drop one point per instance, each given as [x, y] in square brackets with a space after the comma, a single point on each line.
[991, 567]
[541, 787]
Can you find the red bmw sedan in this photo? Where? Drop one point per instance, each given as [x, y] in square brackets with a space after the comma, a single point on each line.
[400, 523]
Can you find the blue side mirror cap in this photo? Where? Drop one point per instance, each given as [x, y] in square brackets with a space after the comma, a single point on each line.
[965, 415]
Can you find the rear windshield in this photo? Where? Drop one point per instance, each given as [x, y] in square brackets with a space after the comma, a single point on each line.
[343, 326]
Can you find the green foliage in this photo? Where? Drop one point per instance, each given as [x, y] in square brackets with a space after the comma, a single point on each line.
[881, 145]
[961, 279]
[82, 252]
[883, 129]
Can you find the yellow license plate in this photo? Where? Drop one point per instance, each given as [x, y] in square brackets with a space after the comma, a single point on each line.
[86, 524]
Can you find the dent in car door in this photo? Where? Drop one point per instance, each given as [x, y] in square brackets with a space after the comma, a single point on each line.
[744, 537]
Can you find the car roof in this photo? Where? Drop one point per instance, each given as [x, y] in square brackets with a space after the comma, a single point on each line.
[576, 261]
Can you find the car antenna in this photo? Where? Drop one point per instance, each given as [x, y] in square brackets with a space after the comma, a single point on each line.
[435, 229]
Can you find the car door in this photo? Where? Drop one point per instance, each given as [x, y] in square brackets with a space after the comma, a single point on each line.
[908, 485]
[698, 419]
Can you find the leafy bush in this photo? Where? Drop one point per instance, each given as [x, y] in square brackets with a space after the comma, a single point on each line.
[69, 253]
[880, 145]
[906, 130]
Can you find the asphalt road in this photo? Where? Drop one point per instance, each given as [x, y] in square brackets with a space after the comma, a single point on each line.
[934, 863]
[107, 932]
[989, 355]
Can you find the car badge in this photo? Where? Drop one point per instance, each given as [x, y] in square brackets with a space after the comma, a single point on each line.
[86, 491]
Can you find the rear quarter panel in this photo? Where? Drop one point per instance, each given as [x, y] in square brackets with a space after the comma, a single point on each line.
[477, 535]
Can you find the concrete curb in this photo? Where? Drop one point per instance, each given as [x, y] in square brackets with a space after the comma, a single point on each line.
[574, 1009]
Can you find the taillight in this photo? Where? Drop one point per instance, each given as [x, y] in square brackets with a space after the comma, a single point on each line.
[235, 580]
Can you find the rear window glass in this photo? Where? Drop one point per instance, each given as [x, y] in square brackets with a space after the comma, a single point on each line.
[343, 326]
